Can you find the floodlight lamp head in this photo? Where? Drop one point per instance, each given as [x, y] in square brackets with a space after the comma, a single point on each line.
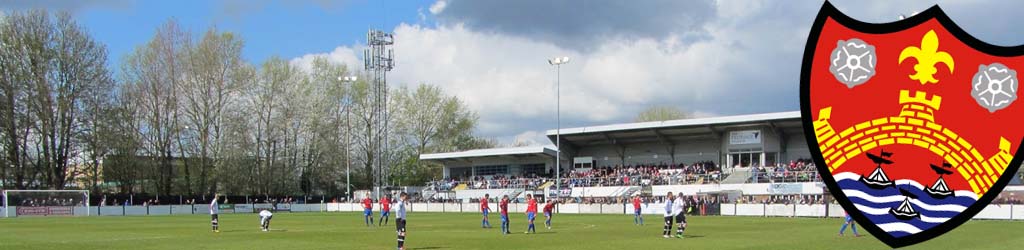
[559, 60]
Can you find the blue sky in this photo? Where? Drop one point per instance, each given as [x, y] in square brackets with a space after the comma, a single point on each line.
[709, 57]
[269, 27]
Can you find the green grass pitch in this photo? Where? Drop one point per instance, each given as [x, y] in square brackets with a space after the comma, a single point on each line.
[462, 231]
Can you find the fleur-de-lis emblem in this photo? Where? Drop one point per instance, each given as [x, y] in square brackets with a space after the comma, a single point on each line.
[927, 56]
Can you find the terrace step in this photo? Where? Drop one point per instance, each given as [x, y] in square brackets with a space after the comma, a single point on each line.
[738, 176]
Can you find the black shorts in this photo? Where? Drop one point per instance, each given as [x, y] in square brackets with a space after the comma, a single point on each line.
[213, 217]
[668, 220]
[400, 225]
[680, 218]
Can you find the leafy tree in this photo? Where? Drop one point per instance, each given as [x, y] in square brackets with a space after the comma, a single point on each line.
[662, 113]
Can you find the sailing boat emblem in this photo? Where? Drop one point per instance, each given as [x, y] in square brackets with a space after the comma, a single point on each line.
[940, 190]
[905, 211]
[878, 179]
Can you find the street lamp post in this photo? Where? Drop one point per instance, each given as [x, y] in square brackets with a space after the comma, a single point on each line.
[348, 135]
[557, 62]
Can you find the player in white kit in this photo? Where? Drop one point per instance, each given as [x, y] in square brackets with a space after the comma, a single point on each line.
[214, 210]
[265, 217]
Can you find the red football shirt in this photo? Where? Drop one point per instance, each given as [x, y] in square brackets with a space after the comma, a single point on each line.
[531, 206]
[483, 205]
[549, 207]
[504, 207]
[367, 203]
[636, 203]
[385, 204]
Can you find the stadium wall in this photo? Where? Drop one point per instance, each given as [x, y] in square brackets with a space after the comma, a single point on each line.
[181, 209]
[745, 188]
[781, 210]
[569, 209]
[796, 147]
[835, 210]
[158, 210]
[1017, 212]
[418, 207]
[769, 141]
[995, 212]
[991, 212]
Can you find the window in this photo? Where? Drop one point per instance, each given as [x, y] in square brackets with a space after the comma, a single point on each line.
[537, 169]
[745, 157]
[585, 162]
[492, 170]
[771, 158]
[460, 172]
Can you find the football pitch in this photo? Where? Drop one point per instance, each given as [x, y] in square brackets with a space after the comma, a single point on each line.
[462, 231]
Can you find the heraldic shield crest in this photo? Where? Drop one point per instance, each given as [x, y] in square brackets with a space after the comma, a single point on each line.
[915, 125]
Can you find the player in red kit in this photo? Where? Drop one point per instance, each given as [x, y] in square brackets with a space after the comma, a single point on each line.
[485, 209]
[531, 212]
[385, 209]
[368, 210]
[638, 219]
[549, 209]
[503, 206]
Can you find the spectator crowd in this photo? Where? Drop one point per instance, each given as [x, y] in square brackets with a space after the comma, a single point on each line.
[50, 201]
[805, 199]
[619, 175]
[800, 170]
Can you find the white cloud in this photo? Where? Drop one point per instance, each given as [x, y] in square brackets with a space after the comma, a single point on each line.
[746, 60]
[532, 138]
[703, 114]
[507, 79]
[343, 54]
[438, 7]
